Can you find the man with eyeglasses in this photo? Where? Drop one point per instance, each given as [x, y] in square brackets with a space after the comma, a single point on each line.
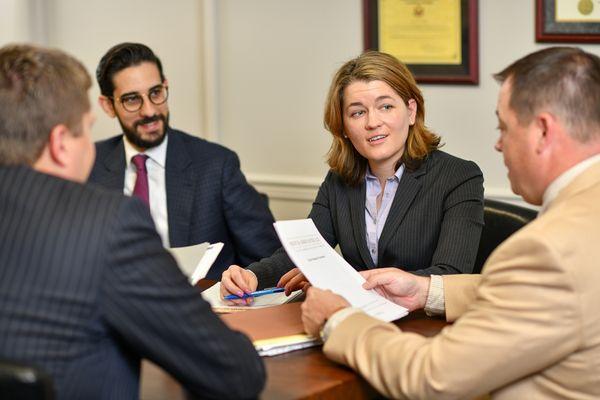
[194, 188]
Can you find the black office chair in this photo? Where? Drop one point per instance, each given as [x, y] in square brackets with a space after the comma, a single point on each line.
[501, 221]
[264, 197]
[19, 381]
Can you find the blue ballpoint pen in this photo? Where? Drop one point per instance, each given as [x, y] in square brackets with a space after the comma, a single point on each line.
[255, 294]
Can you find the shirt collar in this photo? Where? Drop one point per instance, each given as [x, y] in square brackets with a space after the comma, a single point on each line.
[565, 179]
[157, 154]
[397, 174]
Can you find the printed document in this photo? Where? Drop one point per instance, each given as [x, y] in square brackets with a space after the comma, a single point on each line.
[195, 261]
[326, 269]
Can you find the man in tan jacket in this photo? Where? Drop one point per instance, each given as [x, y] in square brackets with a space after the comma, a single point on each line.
[529, 326]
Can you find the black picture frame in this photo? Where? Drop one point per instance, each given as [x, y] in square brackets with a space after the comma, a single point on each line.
[547, 29]
[466, 73]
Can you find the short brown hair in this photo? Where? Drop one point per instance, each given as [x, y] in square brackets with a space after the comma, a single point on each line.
[565, 80]
[120, 57]
[39, 89]
[374, 66]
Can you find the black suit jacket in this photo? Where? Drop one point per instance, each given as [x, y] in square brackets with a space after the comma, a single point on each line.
[208, 198]
[433, 226]
[86, 290]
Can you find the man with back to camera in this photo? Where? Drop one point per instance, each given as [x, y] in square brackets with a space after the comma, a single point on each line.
[86, 287]
[195, 189]
[529, 326]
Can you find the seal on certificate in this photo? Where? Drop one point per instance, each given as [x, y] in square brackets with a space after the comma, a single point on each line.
[585, 7]
[418, 11]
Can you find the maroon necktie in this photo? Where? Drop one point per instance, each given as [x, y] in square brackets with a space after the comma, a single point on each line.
[141, 182]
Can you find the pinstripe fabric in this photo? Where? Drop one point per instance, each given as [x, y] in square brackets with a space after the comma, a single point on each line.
[86, 290]
[208, 198]
[433, 226]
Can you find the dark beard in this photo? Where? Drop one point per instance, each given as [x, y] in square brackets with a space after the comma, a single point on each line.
[137, 140]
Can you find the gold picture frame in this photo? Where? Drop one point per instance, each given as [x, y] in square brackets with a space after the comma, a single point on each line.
[407, 29]
[572, 21]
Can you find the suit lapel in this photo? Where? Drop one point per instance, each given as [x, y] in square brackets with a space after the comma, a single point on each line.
[357, 214]
[408, 188]
[180, 190]
[114, 164]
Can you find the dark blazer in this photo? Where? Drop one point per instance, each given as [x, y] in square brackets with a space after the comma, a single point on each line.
[86, 290]
[208, 198]
[433, 226]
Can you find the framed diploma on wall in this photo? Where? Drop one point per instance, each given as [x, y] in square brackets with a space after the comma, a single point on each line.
[436, 39]
[575, 21]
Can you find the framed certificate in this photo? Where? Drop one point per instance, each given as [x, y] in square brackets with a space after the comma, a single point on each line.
[567, 21]
[436, 39]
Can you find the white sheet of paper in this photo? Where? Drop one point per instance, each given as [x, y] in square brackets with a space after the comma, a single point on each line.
[326, 269]
[281, 345]
[213, 296]
[195, 261]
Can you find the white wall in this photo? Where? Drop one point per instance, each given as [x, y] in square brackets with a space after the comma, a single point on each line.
[276, 59]
[87, 29]
[278, 56]
[253, 74]
[14, 21]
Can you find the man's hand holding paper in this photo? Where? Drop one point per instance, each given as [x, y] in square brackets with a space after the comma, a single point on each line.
[326, 269]
[401, 287]
[318, 307]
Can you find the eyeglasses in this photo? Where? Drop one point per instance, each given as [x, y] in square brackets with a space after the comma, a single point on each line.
[133, 102]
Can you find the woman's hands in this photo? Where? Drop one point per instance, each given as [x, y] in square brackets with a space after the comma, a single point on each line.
[238, 281]
[293, 280]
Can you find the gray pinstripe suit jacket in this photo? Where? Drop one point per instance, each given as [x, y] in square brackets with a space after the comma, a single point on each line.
[86, 290]
[208, 198]
[433, 226]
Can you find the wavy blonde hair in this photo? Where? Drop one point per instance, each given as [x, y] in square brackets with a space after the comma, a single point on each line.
[374, 66]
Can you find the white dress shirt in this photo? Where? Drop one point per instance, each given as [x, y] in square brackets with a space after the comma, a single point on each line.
[155, 164]
[564, 179]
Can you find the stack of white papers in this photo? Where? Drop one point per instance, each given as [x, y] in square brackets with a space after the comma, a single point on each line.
[285, 344]
[326, 269]
[213, 296]
[195, 261]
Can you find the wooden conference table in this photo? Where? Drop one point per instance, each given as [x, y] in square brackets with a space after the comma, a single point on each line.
[303, 374]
